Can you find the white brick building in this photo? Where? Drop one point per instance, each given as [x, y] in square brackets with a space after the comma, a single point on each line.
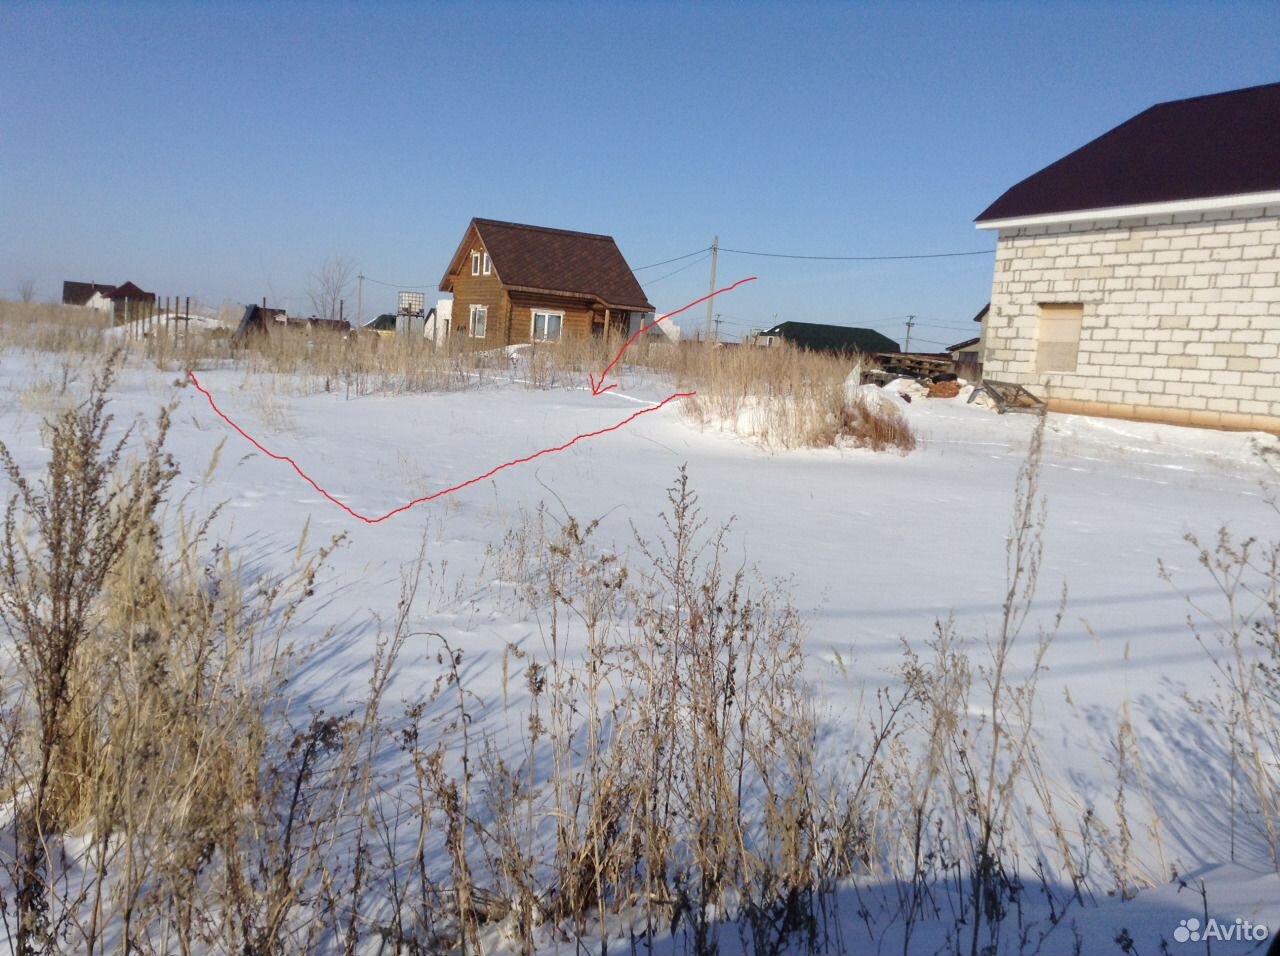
[1138, 276]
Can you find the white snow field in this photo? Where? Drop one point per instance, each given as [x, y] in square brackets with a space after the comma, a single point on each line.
[874, 549]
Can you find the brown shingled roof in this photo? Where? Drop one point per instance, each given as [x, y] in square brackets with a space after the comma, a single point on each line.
[78, 293]
[537, 259]
[131, 291]
[1224, 144]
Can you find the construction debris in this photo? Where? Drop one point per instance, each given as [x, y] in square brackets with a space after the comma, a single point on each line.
[943, 390]
[1009, 397]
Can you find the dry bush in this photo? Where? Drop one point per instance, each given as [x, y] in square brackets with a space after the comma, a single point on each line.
[1239, 631]
[673, 755]
[138, 816]
[781, 396]
[877, 425]
[61, 538]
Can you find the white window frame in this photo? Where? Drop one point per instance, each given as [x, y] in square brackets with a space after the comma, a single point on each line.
[533, 325]
[487, 267]
[480, 312]
[475, 262]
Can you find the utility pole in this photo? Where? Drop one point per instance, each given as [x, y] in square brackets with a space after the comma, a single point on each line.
[717, 321]
[715, 260]
[359, 301]
[906, 346]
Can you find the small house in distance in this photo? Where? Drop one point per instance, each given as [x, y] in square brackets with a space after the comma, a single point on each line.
[816, 337]
[259, 320]
[514, 284]
[131, 304]
[90, 295]
[967, 355]
[1139, 276]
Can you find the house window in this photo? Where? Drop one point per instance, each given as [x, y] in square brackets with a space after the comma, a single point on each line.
[475, 263]
[479, 319]
[547, 326]
[1058, 338]
[488, 266]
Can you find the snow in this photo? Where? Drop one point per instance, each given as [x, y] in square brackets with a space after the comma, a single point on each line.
[875, 549]
[176, 322]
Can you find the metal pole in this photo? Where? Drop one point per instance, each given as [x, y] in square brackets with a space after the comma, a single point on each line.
[360, 301]
[715, 259]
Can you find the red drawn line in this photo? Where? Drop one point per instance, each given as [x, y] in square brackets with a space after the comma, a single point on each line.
[439, 494]
[596, 386]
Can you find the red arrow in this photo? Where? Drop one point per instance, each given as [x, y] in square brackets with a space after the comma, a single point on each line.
[599, 388]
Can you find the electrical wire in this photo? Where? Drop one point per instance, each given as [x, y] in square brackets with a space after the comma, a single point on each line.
[399, 285]
[654, 265]
[915, 338]
[928, 255]
[943, 328]
[681, 269]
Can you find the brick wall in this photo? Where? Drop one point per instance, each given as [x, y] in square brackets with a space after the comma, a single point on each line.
[1181, 315]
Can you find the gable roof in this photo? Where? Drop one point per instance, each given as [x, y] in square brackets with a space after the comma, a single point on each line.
[78, 293]
[1224, 144]
[966, 344]
[832, 338]
[130, 291]
[556, 261]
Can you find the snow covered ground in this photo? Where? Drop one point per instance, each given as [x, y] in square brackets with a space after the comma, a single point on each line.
[874, 547]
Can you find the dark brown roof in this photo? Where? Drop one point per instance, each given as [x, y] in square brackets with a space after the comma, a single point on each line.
[536, 259]
[131, 291]
[78, 293]
[1224, 144]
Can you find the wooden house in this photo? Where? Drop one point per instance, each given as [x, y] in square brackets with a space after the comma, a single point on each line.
[514, 284]
[131, 304]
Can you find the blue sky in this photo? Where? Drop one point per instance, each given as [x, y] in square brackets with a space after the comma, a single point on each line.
[224, 151]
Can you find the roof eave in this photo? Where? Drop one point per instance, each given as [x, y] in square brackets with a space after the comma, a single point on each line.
[1171, 207]
[587, 296]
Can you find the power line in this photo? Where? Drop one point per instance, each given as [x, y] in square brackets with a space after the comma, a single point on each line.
[402, 285]
[923, 255]
[944, 328]
[654, 265]
[681, 269]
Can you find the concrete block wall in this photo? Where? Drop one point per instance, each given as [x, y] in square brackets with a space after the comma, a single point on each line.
[1181, 315]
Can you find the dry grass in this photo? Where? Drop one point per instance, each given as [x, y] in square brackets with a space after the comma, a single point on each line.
[664, 776]
[782, 397]
[52, 328]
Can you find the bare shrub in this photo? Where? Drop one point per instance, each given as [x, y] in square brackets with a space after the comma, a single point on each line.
[131, 659]
[879, 426]
[1240, 634]
[330, 286]
[81, 519]
[782, 396]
